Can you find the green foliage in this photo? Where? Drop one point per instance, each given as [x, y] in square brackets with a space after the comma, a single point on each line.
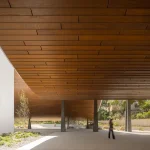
[141, 129]
[103, 114]
[116, 109]
[133, 116]
[143, 115]
[145, 106]
[23, 111]
[58, 122]
[23, 108]
[10, 139]
[2, 143]
[46, 122]
[115, 123]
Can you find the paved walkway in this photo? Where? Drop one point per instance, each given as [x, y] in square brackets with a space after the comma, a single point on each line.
[87, 140]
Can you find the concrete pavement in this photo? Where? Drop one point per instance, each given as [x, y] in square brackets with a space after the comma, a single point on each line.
[87, 140]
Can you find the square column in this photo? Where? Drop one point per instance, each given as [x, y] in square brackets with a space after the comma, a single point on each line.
[128, 116]
[68, 123]
[95, 125]
[63, 127]
[87, 125]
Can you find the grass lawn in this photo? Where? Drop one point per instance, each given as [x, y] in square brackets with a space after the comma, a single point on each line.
[13, 138]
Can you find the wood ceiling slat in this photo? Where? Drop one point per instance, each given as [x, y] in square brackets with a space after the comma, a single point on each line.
[63, 43]
[110, 71]
[132, 48]
[114, 37]
[39, 60]
[90, 63]
[40, 38]
[111, 56]
[100, 60]
[148, 57]
[115, 26]
[18, 26]
[38, 19]
[112, 68]
[58, 3]
[42, 56]
[18, 48]
[8, 43]
[24, 66]
[138, 12]
[108, 60]
[4, 3]
[95, 82]
[77, 32]
[65, 52]
[18, 32]
[41, 71]
[78, 11]
[97, 87]
[129, 3]
[15, 12]
[77, 48]
[135, 32]
[15, 52]
[28, 63]
[46, 68]
[139, 52]
[36, 77]
[148, 27]
[85, 76]
[125, 43]
[115, 19]
[48, 72]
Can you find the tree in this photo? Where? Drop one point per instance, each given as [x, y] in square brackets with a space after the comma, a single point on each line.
[144, 109]
[145, 105]
[119, 106]
[23, 110]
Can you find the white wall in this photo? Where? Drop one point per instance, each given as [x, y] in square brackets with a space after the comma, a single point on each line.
[6, 94]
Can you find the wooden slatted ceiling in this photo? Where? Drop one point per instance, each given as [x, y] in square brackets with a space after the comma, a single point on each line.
[75, 50]
[43, 108]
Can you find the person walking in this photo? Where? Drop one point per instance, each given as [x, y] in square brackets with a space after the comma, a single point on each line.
[111, 129]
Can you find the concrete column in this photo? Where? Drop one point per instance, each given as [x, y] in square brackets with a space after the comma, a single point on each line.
[63, 127]
[95, 125]
[68, 123]
[29, 123]
[87, 124]
[128, 118]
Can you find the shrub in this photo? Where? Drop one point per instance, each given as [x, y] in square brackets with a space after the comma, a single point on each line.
[141, 129]
[116, 124]
[143, 115]
[122, 128]
[139, 116]
[2, 143]
[10, 139]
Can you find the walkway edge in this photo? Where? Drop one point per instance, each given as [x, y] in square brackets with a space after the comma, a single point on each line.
[36, 143]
